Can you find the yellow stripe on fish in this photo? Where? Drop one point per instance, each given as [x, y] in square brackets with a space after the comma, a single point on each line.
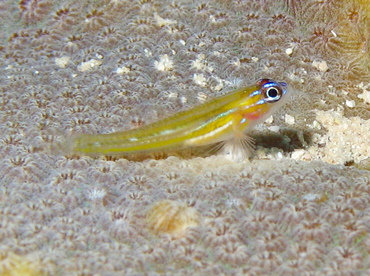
[226, 118]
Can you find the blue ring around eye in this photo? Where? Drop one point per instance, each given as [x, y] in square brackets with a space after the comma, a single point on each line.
[273, 86]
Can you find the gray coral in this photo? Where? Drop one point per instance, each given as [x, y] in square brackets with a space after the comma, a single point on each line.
[72, 67]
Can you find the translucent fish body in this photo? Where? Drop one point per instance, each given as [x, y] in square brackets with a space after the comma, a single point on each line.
[220, 119]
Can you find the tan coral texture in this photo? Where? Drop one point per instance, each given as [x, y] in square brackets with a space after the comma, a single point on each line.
[300, 206]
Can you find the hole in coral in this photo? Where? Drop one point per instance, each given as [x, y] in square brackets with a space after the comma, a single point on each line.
[287, 139]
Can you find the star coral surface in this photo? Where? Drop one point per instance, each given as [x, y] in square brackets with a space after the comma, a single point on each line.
[298, 207]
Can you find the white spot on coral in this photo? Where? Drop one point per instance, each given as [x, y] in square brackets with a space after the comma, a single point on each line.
[200, 79]
[216, 53]
[279, 156]
[269, 120]
[219, 84]
[201, 64]
[315, 124]
[289, 119]
[350, 103]
[88, 65]
[236, 63]
[62, 62]
[289, 51]
[97, 194]
[320, 65]
[274, 128]
[164, 63]
[297, 154]
[99, 56]
[148, 53]
[366, 93]
[311, 197]
[163, 22]
[122, 70]
[172, 95]
[233, 202]
[183, 100]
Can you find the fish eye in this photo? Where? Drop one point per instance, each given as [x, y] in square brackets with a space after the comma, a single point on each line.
[272, 93]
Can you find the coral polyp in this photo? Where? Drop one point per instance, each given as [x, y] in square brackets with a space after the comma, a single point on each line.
[172, 217]
[34, 10]
[64, 18]
[300, 206]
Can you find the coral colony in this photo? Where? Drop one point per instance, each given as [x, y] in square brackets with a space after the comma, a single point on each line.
[300, 206]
